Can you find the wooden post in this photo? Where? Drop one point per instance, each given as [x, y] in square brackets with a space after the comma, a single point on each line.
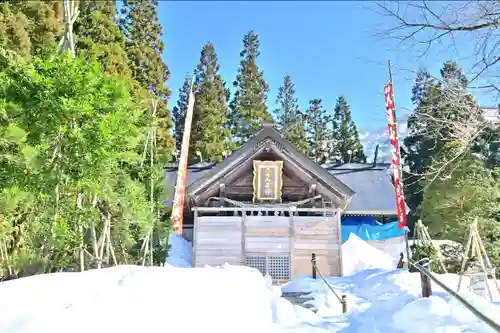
[425, 282]
[401, 261]
[407, 245]
[314, 265]
[465, 259]
[426, 285]
[243, 236]
[344, 304]
[222, 195]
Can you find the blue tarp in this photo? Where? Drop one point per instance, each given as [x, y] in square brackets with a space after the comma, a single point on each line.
[367, 228]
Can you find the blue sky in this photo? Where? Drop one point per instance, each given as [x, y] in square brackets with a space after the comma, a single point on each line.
[329, 48]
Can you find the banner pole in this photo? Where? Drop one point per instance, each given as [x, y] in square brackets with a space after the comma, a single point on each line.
[177, 216]
[396, 159]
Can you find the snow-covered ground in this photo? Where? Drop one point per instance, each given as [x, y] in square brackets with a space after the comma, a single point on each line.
[132, 299]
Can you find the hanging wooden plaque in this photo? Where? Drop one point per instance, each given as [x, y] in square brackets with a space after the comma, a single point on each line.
[267, 180]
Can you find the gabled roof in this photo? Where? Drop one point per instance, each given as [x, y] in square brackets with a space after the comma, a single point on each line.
[375, 194]
[368, 187]
[374, 191]
[269, 133]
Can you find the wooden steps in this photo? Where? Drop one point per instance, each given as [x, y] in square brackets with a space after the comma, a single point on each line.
[299, 298]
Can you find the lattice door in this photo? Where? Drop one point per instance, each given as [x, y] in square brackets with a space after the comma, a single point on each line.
[277, 266]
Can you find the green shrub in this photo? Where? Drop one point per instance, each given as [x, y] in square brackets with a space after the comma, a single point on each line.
[452, 256]
[419, 252]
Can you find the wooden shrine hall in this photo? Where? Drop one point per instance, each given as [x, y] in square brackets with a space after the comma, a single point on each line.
[268, 206]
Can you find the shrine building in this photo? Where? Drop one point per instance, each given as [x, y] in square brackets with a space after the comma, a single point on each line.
[270, 207]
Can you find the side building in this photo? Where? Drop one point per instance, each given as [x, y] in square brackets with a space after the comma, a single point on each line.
[268, 206]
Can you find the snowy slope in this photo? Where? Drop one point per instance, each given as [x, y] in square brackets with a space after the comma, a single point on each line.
[389, 302]
[131, 299]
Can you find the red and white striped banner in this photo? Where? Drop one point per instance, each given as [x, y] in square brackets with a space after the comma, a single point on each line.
[396, 161]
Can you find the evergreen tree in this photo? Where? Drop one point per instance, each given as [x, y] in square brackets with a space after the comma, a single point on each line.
[420, 147]
[438, 106]
[451, 160]
[289, 116]
[320, 135]
[347, 145]
[179, 112]
[489, 145]
[97, 34]
[64, 190]
[248, 107]
[28, 27]
[144, 48]
[469, 191]
[209, 134]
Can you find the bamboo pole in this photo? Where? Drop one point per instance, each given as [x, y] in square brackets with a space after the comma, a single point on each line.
[464, 260]
[483, 267]
[476, 248]
[81, 232]
[151, 189]
[70, 15]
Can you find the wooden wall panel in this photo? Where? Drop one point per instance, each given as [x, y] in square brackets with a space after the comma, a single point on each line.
[316, 226]
[319, 235]
[302, 244]
[267, 226]
[221, 239]
[329, 265]
[267, 244]
[267, 234]
[213, 260]
[218, 240]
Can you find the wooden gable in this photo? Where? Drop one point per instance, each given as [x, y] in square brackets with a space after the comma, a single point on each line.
[293, 189]
[235, 172]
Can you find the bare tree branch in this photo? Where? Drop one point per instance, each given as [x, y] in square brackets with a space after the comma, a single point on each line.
[452, 115]
[426, 23]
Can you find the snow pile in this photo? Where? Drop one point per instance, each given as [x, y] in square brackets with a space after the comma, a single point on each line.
[382, 299]
[389, 302]
[424, 315]
[131, 299]
[434, 314]
[358, 255]
[181, 251]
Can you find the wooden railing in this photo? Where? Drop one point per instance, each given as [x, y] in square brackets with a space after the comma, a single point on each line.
[342, 299]
[426, 275]
[263, 209]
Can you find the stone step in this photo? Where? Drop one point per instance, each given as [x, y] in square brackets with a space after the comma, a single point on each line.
[294, 293]
[299, 298]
